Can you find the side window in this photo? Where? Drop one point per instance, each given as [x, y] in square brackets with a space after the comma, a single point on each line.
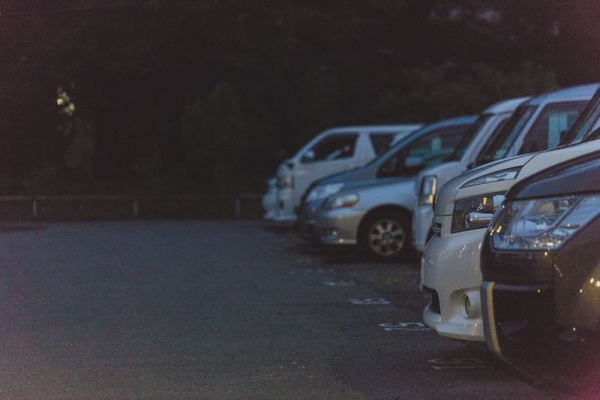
[332, 148]
[381, 141]
[547, 130]
[433, 148]
[503, 140]
[587, 122]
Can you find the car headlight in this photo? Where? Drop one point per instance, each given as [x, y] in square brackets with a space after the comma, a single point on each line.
[494, 177]
[285, 182]
[427, 190]
[342, 201]
[324, 191]
[475, 212]
[542, 224]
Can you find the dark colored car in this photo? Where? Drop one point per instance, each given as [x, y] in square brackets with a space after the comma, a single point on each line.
[541, 277]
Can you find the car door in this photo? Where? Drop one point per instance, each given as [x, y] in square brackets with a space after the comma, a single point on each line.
[333, 153]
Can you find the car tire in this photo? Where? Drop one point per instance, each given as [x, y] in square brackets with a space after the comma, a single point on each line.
[385, 235]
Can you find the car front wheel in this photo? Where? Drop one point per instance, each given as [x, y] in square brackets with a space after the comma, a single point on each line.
[385, 235]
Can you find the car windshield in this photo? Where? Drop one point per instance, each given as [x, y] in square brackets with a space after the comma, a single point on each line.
[586, 126]
[395, 148]
[498, 147]
[468, 137]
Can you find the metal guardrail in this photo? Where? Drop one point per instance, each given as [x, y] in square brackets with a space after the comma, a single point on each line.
[244, 205]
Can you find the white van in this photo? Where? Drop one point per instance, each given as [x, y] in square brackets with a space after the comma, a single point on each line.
[333, 150]
[488, 125]
[464, 206]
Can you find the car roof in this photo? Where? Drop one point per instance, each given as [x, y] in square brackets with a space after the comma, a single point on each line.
[460, 120]
[374, 128]
[448, 122]
[505, 105]
[574, 93]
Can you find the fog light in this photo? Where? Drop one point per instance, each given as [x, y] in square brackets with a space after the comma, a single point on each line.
[469, 305]
[330, 232]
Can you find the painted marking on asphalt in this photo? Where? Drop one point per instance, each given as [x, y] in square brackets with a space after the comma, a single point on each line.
[379, 301]
[313, 271]
[456, 363]
[404, 326]
[339, 283]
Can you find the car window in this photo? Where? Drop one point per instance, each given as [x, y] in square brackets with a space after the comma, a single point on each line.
[459, 150]
[434, 148]
[501, 142]
[553, 121]
[381, 141]
[334, 147]
[587, 122]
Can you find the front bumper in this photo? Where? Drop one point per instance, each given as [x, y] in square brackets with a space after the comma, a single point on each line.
[284, 208]
[421, 226]
[269, 203]
[338, 226]
[307, 220]
[541, 311]
[521, 328]
[450, 271]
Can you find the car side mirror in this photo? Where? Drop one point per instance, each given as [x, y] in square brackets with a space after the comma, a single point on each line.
[308, 156]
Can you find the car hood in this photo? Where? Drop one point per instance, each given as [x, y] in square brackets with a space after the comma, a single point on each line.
[360, 173]
[366, 184]
[529, 164]
[444, 200]
[577, 176]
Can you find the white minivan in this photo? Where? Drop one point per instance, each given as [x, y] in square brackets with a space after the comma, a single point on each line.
[333, 150]
[464, 206]
[488, 125]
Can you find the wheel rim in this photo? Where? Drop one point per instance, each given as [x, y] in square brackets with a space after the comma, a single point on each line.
[387, 237]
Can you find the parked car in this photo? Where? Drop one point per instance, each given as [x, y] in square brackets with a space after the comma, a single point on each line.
[463, 206]
[371, 206]
[269, 199]
[333, 150]
[541, 277]
[489, 124]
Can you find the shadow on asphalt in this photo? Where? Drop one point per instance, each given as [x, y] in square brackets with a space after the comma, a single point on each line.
[332, 255]
[335, 255]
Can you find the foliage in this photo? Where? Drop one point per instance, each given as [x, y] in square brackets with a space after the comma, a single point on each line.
[212, 88]
[432, 93]
[214, 134]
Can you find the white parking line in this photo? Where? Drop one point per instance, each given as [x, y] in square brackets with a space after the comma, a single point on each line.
[379, 301]
[404, 326]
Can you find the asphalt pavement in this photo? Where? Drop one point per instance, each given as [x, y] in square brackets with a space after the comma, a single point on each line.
[221, 310]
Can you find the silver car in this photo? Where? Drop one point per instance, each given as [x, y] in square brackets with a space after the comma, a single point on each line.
[376, 213]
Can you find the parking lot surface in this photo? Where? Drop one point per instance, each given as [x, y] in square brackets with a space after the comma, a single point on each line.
[221, 310]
